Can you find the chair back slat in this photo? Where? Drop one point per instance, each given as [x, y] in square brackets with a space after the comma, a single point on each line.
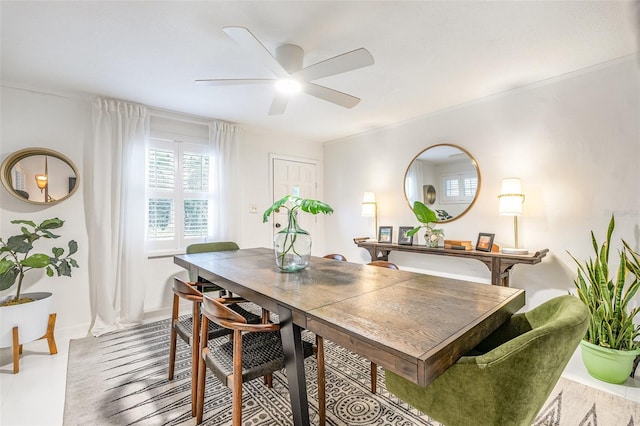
[383, 264]
[335, 256]
[186, 291]
[213, 246]
[217, 312]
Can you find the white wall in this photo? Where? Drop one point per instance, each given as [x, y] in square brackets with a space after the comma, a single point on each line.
[31, 119]
[36, 119]
[574, 141]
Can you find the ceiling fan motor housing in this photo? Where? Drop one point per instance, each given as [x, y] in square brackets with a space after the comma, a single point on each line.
[290, 57]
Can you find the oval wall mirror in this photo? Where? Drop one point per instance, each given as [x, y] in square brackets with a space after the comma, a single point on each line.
[446, 178]
[39, 176]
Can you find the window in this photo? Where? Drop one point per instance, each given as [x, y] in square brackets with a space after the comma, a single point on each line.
[178, 197]
[458, 188]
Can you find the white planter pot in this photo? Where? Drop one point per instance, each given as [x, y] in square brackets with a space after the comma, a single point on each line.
[30, 318]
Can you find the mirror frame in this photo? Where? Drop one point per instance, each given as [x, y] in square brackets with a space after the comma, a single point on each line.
[13, 159]
[473, 161]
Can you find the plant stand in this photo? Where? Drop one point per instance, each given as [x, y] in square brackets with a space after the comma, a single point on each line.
[17, 347]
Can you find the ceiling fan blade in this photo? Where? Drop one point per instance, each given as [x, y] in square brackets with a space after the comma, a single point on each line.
[279, 104]
[349, 61]
[330, 95]
[233, 81]
[249, 42]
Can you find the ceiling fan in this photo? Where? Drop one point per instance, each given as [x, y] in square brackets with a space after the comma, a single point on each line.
[290, 76]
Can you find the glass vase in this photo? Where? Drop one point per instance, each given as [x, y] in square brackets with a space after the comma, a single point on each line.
[292, 247]
[431, 238]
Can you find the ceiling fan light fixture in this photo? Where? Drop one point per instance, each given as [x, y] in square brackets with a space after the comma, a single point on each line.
[288, 86]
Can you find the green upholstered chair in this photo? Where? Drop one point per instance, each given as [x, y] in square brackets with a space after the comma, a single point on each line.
[510, 374]
[210, 247]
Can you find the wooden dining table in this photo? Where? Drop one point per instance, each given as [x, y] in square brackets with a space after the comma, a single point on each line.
[415, 325]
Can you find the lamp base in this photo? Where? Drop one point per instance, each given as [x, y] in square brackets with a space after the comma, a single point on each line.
[512, 250]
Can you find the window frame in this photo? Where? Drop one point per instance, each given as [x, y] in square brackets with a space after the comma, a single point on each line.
[460, 178]
[179, 146]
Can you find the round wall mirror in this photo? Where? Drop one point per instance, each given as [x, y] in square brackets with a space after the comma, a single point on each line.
[444, 177]
[39, 176]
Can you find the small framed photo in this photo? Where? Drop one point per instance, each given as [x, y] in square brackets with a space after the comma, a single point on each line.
[402, 237]
[485, 241]
[385, 234]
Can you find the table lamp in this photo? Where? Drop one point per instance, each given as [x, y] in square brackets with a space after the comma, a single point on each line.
[511, 200]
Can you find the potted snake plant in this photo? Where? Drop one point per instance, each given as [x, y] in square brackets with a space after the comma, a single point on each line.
[611, 343]
[29, 311]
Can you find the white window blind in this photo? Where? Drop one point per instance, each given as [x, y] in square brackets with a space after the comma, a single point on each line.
[178, 199]
[458, 188]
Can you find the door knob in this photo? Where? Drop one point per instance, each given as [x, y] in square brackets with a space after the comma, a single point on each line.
[278, 225]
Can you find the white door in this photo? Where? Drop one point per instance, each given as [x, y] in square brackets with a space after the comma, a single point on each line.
[298, 178]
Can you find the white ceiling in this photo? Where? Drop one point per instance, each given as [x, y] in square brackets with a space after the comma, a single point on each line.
[429, 55]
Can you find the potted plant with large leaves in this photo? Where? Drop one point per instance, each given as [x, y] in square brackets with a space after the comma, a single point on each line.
[29, 311]
[611, 343]
[427, 216]
[293, 244]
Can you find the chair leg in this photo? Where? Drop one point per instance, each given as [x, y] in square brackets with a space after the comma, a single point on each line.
[374, 377]
[237, 378]
[202, 370]
[17, 350]
[173, 338]
[322, 413]
[195, 351]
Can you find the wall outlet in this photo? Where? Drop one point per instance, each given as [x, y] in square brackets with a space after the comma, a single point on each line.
[253, 208]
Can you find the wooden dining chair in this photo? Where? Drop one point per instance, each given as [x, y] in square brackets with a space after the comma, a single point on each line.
[255, 350]
[209, 247]
[383, 264]
[374, 366]
[335, 256]
[188, 328]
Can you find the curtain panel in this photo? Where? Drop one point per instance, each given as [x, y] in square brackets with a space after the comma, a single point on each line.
[225, 152]
[115, 207]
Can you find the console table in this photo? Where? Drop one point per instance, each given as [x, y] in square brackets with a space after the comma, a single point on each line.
[499, 264]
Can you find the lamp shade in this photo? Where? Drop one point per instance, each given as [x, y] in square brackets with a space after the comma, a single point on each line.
[41, 180]
[511, 197]
[369, 204]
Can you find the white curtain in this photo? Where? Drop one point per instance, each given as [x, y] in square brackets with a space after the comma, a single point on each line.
[225, 167]
[115, 203]
[413, 184]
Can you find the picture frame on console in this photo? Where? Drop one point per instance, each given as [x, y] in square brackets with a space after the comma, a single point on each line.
[485, 241]
[385, 234]
[403, 239]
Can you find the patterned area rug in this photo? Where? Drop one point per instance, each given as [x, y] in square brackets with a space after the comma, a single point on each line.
[121, 379]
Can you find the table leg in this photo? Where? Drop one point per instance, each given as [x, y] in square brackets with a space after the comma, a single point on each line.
[294, 363]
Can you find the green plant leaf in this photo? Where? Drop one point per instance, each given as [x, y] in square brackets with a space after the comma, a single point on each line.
[423, 213]
[19, 244]
[38, 260]
[413, 232]
[5, 264]
[64, 268]
[8, 278]
[51, 224]
[48, 234]
[73, 247]
[73, 263]
[25, 222]
[49, 271]
[274, 207]
[57, 252]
